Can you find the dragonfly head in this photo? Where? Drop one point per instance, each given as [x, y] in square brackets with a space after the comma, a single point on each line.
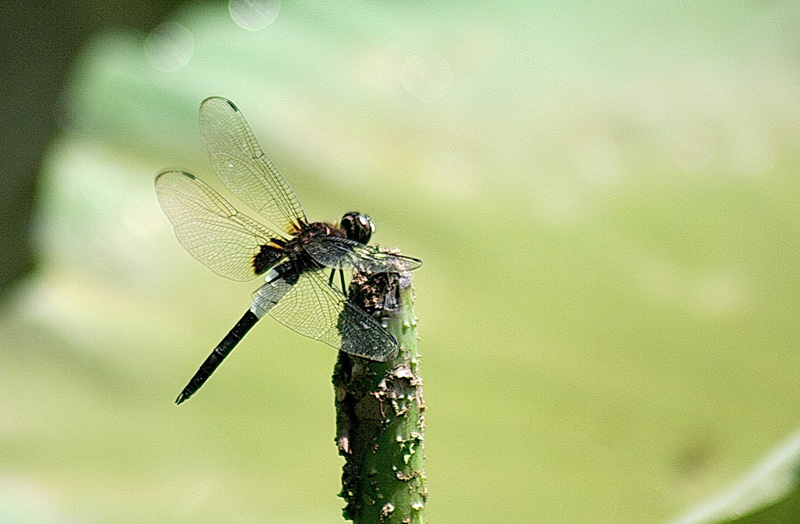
[358, 227]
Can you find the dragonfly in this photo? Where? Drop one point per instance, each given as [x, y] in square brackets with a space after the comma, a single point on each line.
[292, 252]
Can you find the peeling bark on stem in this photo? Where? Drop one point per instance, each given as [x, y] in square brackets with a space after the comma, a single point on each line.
[380, 413]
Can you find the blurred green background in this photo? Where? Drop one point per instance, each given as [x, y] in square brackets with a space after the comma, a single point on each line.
[605, 198]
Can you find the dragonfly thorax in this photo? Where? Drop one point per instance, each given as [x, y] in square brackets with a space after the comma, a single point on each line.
[295, 249]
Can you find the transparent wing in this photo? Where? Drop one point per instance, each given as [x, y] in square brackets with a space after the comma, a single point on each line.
[210, 228]
[343, 253]
[243, 166]
[268, 295]
[314, 309]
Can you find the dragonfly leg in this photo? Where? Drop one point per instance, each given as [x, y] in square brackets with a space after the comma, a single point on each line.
[341, 280]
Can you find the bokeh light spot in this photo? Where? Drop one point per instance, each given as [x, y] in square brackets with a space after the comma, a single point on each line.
[169, 47]
[254, 14]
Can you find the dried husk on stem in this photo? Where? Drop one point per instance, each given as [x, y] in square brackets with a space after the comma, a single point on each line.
[380, 413]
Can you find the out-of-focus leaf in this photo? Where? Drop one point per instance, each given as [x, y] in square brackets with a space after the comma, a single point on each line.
[770, 494]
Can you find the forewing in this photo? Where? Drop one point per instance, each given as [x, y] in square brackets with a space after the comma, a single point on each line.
[312, 308]
[243, 166]
[343, 253]
[209, 227]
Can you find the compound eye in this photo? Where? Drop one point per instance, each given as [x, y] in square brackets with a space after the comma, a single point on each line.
[357, 227]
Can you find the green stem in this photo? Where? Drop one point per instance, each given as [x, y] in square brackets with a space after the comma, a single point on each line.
[379, 413]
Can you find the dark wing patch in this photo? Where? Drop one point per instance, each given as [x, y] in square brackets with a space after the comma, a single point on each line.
[343, 253]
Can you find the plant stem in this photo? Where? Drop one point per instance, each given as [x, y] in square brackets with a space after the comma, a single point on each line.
[379, 413]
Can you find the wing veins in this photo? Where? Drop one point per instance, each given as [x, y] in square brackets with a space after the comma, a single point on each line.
[209, 227]
[244, 167]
